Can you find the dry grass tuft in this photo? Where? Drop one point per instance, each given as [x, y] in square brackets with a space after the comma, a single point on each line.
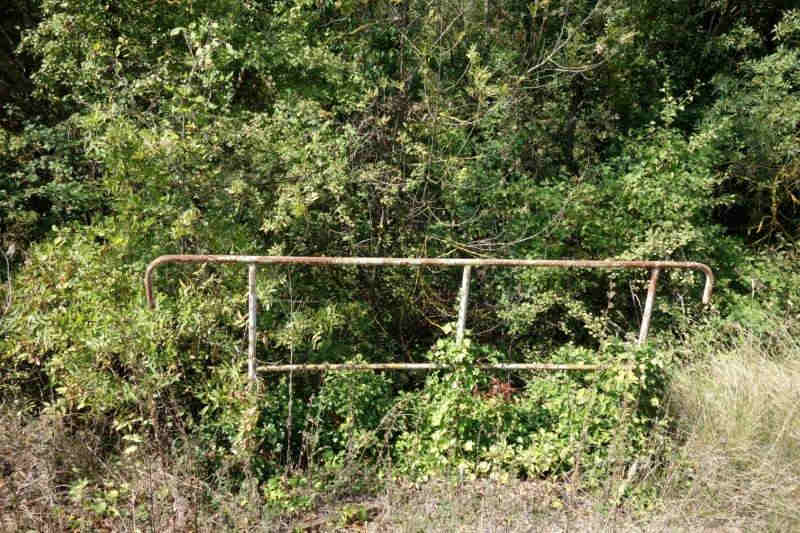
[57, 477]
[39, 457]
[739, 414]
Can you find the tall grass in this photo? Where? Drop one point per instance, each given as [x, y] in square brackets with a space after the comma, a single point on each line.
[738, 413]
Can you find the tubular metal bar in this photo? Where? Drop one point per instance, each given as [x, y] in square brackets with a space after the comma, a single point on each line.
[462, 306]
[324, 367]
[253, 260]
[648, 305]
[251, 325]
[422, 261]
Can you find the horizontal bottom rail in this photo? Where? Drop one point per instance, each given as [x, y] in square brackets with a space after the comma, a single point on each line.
[426, 366]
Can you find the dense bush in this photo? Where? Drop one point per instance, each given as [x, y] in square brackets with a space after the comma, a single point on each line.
[558, 422]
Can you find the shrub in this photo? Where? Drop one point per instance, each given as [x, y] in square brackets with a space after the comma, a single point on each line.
[467, 421]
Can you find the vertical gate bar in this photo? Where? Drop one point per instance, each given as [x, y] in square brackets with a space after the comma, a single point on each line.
[462, 307]
[251, 325]
[648, 305]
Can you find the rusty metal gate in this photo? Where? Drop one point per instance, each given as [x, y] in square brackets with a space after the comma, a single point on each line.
[253, 261]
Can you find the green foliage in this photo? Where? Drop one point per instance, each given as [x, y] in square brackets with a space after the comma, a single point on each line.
[348, 403]
[561, 129]
[84, 325]
[554, 423]
[754, 125]
[768, 294]
[47, 180]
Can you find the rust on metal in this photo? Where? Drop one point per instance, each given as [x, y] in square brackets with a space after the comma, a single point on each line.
[423, 261]
[253, 260]
[648, 304]
[251, 322]
[324, 367]
[462, 304]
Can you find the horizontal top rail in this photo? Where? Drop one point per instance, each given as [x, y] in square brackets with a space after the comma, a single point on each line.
[324, 367]
[424, 261]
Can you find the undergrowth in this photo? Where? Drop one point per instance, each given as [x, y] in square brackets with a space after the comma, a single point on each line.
[643, 444]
